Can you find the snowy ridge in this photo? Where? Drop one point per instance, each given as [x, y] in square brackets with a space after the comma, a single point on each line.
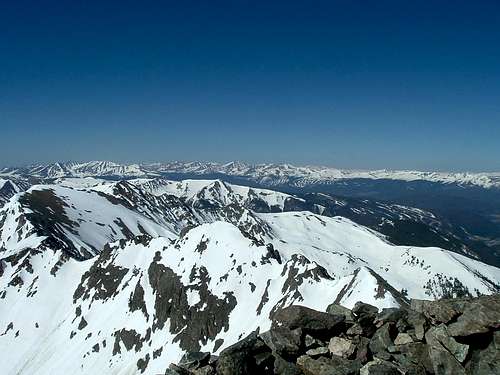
[216, 191]
[77, 221]
[10, 187]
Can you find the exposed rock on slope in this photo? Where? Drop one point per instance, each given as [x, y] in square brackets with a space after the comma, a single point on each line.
[77, 222]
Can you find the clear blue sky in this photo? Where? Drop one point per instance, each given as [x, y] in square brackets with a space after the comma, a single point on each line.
[354, 84]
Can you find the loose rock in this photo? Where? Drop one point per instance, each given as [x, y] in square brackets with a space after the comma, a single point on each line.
[336, 309]
[402, 338]
[328, 366]
[341, 347]
[283, 341]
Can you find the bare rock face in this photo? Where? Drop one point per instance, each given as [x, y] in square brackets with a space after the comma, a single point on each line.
[430, 340]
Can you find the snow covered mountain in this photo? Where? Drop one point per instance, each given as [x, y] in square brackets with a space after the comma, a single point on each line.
[122, 277]
[466, 206]
[11, 186]
[265, 174]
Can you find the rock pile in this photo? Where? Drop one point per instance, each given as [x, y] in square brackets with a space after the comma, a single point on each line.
[456, 336]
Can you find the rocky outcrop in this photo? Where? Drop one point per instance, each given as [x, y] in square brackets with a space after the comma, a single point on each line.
[456, 336]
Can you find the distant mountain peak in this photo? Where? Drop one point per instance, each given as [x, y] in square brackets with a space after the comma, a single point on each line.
[271, 174]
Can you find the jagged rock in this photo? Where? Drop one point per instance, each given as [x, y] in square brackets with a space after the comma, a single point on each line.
[364, 309]
[479, 317]
[486, 361]
[213, 359]
[205, 370]
[283, 341]
[309, 320]
[234, 364]
[327, 366]
[418, 322]
[284, 367]
[336, 309]
[362, 348]
[355, 330]
[439, 335]
[412, 354]
[443, 362]
[402, 338]
[295, 345]
[438, 311]
[392, 314]
[193, 360]
[341, 347]
[263, 360]
[173, 369]
[379, 367]
[407, 367]
[316, 352]
[237, 359]
[381, 340]
[311, 342]
[365, 317]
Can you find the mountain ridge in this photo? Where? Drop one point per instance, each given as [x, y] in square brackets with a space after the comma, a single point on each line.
[271, 174]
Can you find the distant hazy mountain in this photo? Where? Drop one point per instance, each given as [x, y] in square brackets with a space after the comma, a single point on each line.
[268, 174]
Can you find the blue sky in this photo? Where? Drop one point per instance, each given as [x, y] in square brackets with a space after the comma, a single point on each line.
[352, 84]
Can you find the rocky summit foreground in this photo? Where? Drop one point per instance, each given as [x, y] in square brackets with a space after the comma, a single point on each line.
[451, 336]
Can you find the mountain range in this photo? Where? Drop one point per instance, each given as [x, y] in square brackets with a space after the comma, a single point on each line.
[271, 174]
[127, 267]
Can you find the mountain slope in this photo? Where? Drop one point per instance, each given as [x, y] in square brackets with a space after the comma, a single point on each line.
[79, 222]
[466, 206]
[141, 303]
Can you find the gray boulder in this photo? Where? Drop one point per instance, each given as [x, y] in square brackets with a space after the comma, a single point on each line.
[442, 311]
[486, 361]
[283, 367]
[364, 309]
[443, 362]
[341, 347]
[193, 360]
[418, 322]
[382, 339]
[328, 366]
[479, 317]
[336, 309]
[283, 341]
[318, 352]
[402, 338]
[379, 367]
[309, 320]
[237, 359]
[439, 335]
